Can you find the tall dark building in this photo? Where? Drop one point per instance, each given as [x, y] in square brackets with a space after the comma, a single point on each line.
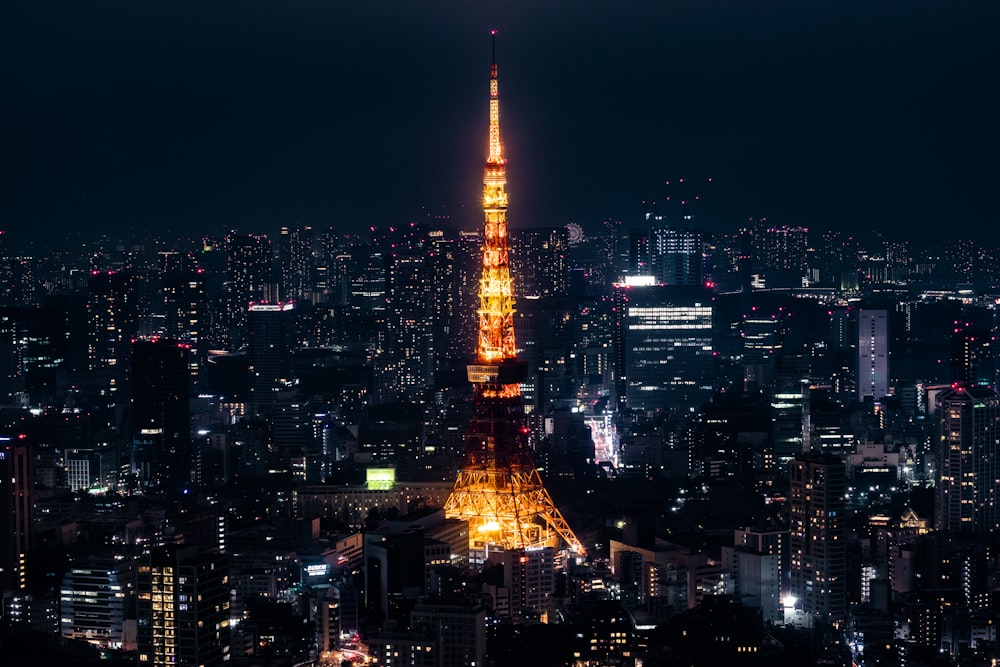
[538, 257]
[407, 367]
[186, 316]
[968, 460]
[112, 319]
[271, 337]
[297, 263]
[162, 453]
[817, 538]
[249, 278]
[17, 513]
[183, 608]
[973, 356]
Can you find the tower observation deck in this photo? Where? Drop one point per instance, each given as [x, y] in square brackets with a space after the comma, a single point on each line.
[499, 490]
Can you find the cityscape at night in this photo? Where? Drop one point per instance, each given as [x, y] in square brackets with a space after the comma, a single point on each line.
[330, 339]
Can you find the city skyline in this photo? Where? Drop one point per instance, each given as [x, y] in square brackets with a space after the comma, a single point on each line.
[193, 120]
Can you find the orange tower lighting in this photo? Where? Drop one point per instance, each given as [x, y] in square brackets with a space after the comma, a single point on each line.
[498, 490]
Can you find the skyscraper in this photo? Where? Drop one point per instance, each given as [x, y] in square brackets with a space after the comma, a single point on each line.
[295, 246]
[17, 513]
[973, 355]
[499, 490]
[271, 338]
[665, 354]
[183, 608]
[162, 451]
[538, 259]
[249, 278]
[968, 460]
[408, 367]
[817, 539]
[873, 354]
[677, 255]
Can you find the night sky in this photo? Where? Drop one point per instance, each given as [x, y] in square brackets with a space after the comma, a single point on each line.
[201, 116]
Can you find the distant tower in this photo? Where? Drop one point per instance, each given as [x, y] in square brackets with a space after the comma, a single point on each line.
[498, 490]
[873, 354]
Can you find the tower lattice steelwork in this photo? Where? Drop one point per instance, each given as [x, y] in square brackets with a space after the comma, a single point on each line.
[498, 490]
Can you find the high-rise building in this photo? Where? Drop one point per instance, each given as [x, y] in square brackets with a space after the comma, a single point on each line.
[407, 368]
[973, 355]
[873, 354]
[499, 490]
[817, 537]
[677, 255]
[271, 338]
[967, 493]
[17, 513]
[665, 353]
[539, 260]
[783, 248]
[295, 247]
[186, 316]
[790, 405]
[112, 318]
[161, 444]
[249, 278]
[183, 608]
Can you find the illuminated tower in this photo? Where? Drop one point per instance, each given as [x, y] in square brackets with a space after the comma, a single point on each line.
[498, 490]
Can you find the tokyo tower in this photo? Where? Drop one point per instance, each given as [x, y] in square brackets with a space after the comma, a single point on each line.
[498, 490]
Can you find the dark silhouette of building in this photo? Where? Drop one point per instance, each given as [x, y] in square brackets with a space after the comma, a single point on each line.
[17, 513]
[161, 450]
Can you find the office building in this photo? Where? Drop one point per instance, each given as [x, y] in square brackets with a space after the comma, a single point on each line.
[271, 338]
[665, 353]
[677, 255]
[968, 460]
[183, 608]
[93, 600]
